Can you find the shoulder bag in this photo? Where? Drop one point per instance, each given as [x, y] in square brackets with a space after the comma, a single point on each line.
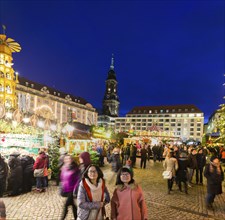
[167, 174]
[39, 172]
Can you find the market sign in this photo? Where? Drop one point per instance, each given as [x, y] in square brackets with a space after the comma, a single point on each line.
[20, 140]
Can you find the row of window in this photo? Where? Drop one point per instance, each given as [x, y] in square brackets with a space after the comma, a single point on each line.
[158, 124]
[164, 110]
[178, 133]
[147, 126]
[165, 116]
[158, 120]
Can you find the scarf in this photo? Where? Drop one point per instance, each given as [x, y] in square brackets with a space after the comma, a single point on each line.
[95, 195]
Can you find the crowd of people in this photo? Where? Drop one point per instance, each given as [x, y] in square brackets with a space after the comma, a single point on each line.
[17, 173]
[84, 182]
[185, 163]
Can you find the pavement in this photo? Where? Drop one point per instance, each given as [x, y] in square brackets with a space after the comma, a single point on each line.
[177, 205]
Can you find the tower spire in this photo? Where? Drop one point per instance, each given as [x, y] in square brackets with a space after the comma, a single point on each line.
[112, 62]
[3, 29]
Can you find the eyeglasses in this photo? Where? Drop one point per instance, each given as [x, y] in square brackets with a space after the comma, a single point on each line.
[125, 174]
[92, 171]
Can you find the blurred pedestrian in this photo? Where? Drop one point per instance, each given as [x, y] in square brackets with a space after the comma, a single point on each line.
[69, 177]
[144, 153]
[116, 163]
[85, 161]
[201, 161]
[192, 165]
[133, 154]
[170, 164]
[182, 172]
[92, 195]
[128, 200]
[149, 152]
[63, 153]
[214, 175]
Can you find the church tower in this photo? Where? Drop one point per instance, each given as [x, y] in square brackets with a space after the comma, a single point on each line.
[111, 100]
[8, 79]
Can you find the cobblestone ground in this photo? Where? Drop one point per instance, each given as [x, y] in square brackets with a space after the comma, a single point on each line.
[177, 205]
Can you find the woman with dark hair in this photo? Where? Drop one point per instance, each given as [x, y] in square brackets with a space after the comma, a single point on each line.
[69, 177]
[128, 199]
[92, 195]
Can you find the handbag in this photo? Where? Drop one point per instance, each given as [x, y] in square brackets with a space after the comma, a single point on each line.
[167, 174]
[45, 171]
[39, 172]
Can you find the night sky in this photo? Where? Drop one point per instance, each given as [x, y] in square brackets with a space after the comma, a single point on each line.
[166, 52]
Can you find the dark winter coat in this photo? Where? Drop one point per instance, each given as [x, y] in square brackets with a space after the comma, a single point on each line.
[214, 180]
[182, 169]
[27, 163]
[201, 160]
[116, 163]
[16, 170]
[3, 169]
[192, 161]
[144, 153]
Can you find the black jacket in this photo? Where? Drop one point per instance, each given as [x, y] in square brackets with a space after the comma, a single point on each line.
[214, 180]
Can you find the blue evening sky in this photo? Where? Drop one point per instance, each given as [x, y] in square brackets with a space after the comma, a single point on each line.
[166, 52]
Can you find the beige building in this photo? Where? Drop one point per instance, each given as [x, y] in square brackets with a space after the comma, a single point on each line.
[53, 104]
[24, 100]
[183, 121]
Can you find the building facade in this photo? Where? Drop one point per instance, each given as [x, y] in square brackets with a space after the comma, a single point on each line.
[31, 98]
[183, 121]
[50, 103]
